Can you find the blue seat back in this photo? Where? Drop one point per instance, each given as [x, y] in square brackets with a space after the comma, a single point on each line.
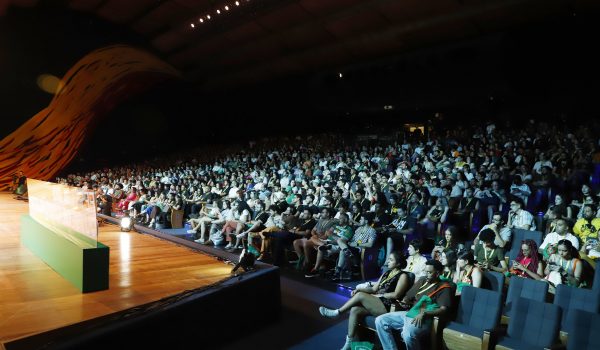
[586, 330]
[479, 308]
[534, 322]
[570, 299]
[518, 236]
[596, 282]
[524, 288]
[493, 280]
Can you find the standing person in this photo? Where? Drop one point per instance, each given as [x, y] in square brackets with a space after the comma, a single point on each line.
[428, 297]
[373, 300]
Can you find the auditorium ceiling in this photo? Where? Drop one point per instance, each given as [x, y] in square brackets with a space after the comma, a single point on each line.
[247, 41]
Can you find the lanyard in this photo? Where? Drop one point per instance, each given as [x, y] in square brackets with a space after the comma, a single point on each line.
[485, 256]
[422, 289]
[390, 276]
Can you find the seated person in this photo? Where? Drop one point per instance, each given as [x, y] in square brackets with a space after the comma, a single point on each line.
[428, 297]
[488, 255]
[415, 263]
[467, 273]
[450, 241]
[448, 259]
[342, 231]
[281, 239]
[519, 217]
[131, 197]
[436, 215]
[548, 246]
[501, 232]
[204, 220]
[240, 214]
[402, 226]
[373, 300]
[587, 229]
[527, 264]
[305, 247]
[564, 267]
[363, 237]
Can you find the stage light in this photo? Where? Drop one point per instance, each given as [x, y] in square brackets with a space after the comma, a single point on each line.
[237, 3]
[207, 16]
[226, 8]
[201, 20]
[126, 224]
[340, 75]
[218, 12]
[192, 25]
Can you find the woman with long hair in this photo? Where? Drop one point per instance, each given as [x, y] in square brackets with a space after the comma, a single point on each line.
[564, 267]
[467, 273]
[448, 258]
[528, 264]
[373, 300]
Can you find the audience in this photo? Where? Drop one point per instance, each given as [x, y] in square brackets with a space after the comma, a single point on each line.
[322, 197]
[373, 300]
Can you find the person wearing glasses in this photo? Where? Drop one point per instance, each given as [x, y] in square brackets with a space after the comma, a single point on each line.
[519, 217]
[502, 233]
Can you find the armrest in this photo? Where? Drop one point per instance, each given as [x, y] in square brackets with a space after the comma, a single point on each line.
[490, 337]
[558, 346]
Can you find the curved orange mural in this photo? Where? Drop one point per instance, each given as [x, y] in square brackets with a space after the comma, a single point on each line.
[46, 143]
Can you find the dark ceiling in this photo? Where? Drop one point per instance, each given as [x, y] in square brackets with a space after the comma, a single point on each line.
[271, 67]
[258, 40]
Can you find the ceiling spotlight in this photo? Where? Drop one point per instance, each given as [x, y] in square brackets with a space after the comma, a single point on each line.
[208, 16]
[192, 25]
[340, 75]
[237, 3]
[218, 12]
[201, 20]
[226, 8]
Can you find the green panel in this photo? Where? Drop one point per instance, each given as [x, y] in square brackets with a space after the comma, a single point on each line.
[85, 268]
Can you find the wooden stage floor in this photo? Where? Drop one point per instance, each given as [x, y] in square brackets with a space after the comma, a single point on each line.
[34, 298]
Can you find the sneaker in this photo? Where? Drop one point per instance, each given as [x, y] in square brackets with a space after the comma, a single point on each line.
[191, 231]
[312, 273]
[228, 246]
[200, 240]
[328, 312]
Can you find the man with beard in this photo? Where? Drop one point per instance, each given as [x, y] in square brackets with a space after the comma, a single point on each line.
[428, 297]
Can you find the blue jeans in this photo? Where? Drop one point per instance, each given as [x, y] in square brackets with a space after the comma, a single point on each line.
[387, 323]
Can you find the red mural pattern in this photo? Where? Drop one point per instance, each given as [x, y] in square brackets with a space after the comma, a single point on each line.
[49, 141]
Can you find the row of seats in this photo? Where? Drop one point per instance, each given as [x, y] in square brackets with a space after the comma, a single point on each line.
[532, 322]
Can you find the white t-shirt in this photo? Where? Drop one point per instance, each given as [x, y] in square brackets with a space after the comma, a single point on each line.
[553, 238]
